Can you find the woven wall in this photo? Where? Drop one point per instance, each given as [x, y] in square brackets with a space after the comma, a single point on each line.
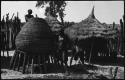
[35, 37]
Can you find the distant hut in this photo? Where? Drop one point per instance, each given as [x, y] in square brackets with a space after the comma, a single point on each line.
[93, 36]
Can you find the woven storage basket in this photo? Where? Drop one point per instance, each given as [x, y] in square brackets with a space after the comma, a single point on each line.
[35, 37]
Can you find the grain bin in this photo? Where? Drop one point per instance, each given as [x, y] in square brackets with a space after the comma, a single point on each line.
[35, 37]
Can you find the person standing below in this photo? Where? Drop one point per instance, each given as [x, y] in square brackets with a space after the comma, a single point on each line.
[29, 15]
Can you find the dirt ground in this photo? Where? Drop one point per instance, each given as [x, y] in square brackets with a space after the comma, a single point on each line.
[95, 71]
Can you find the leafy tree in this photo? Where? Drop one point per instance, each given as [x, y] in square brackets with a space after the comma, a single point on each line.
[55, 7]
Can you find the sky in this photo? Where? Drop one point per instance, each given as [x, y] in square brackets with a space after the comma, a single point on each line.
[76, 11]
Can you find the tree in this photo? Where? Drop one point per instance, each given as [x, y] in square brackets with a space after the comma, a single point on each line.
[68, 24]
[55, 7]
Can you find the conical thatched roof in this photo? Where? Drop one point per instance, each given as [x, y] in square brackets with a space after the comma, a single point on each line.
[87, 28]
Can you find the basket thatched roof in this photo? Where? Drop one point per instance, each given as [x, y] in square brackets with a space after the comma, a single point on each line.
[35, 37]
[88, 28]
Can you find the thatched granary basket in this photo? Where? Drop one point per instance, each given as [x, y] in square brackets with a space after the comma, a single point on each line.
[35, 37]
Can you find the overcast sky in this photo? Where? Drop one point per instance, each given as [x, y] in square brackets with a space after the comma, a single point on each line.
[105, 11]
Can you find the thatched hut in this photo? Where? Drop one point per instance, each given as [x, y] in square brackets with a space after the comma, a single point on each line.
[89, 27]
[35, 37]
[93, 36]
[35, 42]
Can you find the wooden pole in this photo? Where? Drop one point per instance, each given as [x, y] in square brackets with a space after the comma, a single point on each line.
[91, 50]
[15, 61]
[24, 63]
[39, 63]
[32, 66]
[123, 44]
[122, 36]
[44, 65]
[2, 35]
[19, 62]
[7, 27]
[28, 63]
[12, 60]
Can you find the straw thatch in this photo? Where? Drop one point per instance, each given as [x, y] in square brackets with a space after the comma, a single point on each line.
[35, 37]
[88, 28]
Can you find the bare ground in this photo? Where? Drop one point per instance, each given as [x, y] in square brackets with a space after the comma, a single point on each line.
[77, 72]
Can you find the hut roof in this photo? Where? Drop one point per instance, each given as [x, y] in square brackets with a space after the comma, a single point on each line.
[35, 37]
[89, 27]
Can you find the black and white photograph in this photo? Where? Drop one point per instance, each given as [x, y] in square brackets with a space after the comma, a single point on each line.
[62, 39]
